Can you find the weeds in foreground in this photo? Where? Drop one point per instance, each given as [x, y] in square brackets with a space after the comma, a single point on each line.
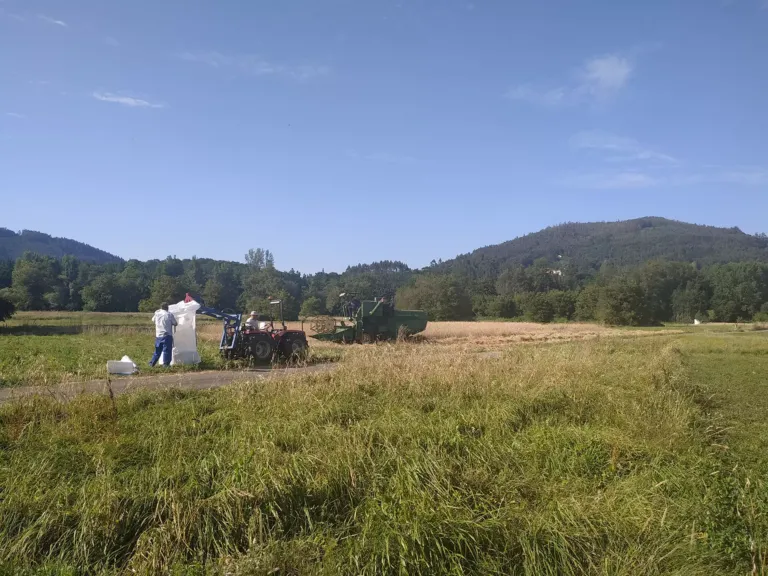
[577, 458]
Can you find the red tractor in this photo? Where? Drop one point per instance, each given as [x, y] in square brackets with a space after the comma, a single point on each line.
[263, 343]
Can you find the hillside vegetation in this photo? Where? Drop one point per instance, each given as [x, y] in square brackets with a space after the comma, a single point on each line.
[627, 243]
[639, 272]
[13, 245]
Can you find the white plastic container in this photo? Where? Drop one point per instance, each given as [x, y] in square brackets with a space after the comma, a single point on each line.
[123, 367]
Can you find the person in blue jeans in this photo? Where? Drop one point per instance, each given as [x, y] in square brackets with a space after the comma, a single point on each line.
[165, 323]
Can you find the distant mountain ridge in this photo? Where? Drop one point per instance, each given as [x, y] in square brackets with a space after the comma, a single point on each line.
[628, 242]
[583, 245]
[13, 245]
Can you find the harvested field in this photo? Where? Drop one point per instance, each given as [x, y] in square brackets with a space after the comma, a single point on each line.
[502, 333]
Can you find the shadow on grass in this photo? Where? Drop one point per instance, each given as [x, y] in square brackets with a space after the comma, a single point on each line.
[72, 329]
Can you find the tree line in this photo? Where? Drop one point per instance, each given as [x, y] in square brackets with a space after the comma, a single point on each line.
[39, 282]
[544, 291]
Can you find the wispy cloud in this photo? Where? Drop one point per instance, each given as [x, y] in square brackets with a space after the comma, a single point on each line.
[15, 115]
[644, 167]
[382, 157]
[129, 101]
[50, 20]
[604, 76]
[737, 175]
[598, 79]
[749, 176]
[615, 180]
[617, 148]
[254, 65]
[537, 95]
[636, 179]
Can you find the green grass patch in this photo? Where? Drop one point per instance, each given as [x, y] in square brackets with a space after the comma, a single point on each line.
[52, 359]
[49, 348]
[576, 458]
[732, 370]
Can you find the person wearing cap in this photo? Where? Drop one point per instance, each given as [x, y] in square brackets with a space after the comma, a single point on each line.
[165, 323]
[252, 321]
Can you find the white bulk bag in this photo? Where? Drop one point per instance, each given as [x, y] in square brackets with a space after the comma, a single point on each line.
[185, 337]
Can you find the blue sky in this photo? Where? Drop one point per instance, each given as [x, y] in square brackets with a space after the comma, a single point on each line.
[334, 132]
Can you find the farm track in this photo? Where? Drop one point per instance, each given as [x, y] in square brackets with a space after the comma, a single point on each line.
[179, 381]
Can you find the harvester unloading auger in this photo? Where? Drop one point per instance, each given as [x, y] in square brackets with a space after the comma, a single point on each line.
[369, 321]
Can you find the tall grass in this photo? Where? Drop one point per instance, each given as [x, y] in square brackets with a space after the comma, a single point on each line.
[575, 458]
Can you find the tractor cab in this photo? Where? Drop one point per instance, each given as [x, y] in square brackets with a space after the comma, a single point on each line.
[290, 343]
[279, 304]
[350, 304]
[256, 323]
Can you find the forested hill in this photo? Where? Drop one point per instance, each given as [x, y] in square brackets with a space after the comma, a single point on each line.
[629, 243]
[639, 272]
[13, 245]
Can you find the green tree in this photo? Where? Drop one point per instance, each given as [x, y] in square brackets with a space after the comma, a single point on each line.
[263, 305]
[259, 259]
[7, 309]
[535, 306]
[501, 307]
[659, 281]
[563, 303]
[71, 287]
[586, 303]
[690, 302]
[442, 297]
[171, 266]
[514, 281]
[6, 273]
[762, 315]
[33, 278]
[224, 287]
[738, 290]
[623, 302]
[164, 289]
[311, 307]
[102, 295]
[332, 299]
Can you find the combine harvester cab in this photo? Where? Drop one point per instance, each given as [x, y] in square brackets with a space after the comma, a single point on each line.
[369, 321]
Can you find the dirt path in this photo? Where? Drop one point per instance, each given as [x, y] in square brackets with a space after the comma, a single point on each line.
[182, 381]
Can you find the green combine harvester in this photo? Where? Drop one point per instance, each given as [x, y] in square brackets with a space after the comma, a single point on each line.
[369, 321]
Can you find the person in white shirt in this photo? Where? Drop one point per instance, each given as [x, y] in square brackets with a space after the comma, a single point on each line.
[165, 322]
[252, 321]
[256, 321]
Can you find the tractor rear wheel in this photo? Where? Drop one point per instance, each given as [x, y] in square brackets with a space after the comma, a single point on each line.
[294, 349]
[260, 348]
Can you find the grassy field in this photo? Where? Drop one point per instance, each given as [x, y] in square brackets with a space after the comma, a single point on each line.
[598, 454]
[49, 348]
[44, 348]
